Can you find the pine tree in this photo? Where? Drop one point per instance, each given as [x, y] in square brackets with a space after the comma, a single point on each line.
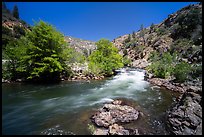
[133, 34]
[15, 12]
[142, 33]
[151, 27]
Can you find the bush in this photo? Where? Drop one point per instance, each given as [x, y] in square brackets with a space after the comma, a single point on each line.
[161, 66]
[162, 31]
[181, 71]
[126, 61]
[166, 65]
[183, 47]
[197, 70]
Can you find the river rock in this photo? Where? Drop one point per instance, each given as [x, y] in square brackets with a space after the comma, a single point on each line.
[114, 113]
[185, 118]
[99, 131]
[115, 129]
[110, 115]
[167, 84]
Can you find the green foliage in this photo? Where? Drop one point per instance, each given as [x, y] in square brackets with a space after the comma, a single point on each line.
[162, 31]
[128, 39]
[181, 71]
[131, 43]
[6, 36]
[133, 35]
[183, 47]
[125, 52]
[142, 34]
[196, 70]
[126, 61]
[161, 66]
[106, 58]
[19, 31]
[91, 128]
[166, 65]
[15, 12]
[40, 55]
[152, 27]
[43, 59]
[14, 53]
[188, 25]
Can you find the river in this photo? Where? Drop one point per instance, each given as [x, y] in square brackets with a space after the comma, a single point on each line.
[30, 108]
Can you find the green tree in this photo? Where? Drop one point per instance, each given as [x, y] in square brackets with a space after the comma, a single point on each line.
[133, 35]
[128, 39]
[152, 27]
[15, 12]
[106, 58]
[6, 36]
[15, 51]
[19, 31]
[44, 60]
[181, 71]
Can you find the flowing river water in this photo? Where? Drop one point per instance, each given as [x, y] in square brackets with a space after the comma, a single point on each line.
[30, 108]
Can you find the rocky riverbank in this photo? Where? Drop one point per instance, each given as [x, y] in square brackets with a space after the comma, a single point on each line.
[111, 117]
[185, 117]
[80, 76]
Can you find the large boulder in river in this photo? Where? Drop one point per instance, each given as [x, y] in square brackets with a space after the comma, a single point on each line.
[114, 113]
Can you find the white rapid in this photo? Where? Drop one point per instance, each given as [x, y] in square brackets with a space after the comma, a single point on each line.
[126, 84]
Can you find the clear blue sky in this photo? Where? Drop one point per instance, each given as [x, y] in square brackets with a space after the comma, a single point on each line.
[95, 20]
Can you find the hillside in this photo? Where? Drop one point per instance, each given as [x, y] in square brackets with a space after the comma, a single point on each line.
[181, 31]
[9, 21]
[12, 28]
[83, 46]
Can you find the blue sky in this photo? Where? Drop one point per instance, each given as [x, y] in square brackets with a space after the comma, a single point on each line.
[95, 20]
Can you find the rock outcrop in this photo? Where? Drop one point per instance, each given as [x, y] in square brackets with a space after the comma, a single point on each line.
[185, 118]
[110, 115]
